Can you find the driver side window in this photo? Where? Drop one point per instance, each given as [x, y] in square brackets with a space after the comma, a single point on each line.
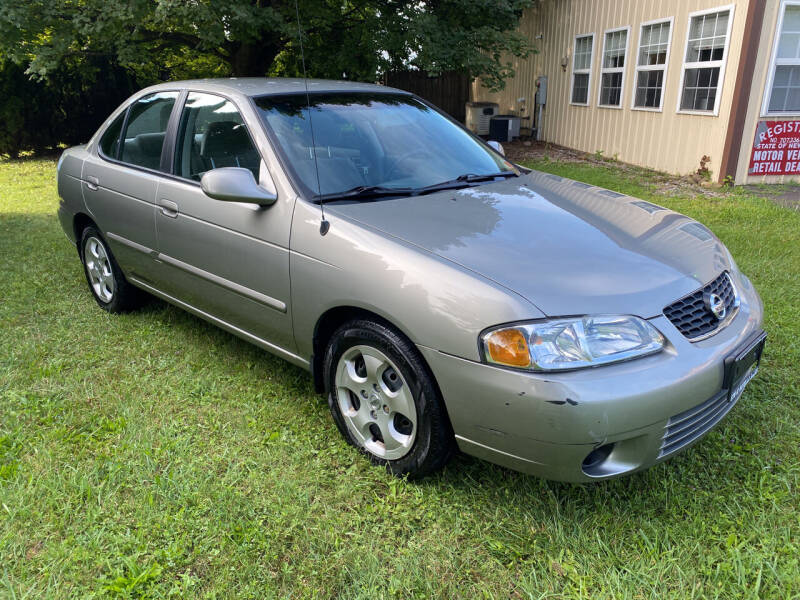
[211, 135]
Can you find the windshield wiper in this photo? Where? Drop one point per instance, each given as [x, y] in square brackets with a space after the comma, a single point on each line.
[361, 192]
[471, 177]
[465, 180]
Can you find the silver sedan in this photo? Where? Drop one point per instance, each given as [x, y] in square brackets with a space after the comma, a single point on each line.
[441, 297]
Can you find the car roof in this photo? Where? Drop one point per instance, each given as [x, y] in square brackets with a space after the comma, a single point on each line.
[261, 86]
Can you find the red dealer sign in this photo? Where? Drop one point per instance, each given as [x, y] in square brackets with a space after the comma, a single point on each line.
[776, 149]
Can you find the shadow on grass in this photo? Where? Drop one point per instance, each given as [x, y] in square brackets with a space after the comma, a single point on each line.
[236, 349]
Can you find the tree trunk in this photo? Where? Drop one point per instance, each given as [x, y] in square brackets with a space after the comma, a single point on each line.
[252, 59]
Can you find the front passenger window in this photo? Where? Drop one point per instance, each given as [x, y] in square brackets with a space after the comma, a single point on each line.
[147, 128]
[211, 135]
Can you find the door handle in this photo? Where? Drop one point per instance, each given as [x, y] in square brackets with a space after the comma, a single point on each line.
[92, 182]
[168, 208]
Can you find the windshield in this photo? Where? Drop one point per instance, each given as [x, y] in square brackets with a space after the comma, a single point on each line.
[372, 140]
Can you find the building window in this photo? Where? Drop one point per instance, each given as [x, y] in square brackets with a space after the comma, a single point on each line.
[783, 87]
[612, 70]
[651, 64]
[582, 69]
[704, 64]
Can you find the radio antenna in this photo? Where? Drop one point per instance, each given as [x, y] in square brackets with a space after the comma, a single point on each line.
[324, 226]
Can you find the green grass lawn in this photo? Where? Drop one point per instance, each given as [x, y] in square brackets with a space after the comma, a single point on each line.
[152, 455]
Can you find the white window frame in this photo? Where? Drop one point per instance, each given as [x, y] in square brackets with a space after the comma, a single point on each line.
[664, 68]
[603, 70]
[773, 64]
[582, 71]
[722, 64]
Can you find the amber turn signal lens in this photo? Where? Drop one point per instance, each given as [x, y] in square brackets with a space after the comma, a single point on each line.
[508, 347]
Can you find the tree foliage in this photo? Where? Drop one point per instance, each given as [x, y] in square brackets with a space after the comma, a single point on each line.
[356, 38]
[81, 58]
[63, 109]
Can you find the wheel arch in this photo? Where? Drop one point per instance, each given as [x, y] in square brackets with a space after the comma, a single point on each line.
[335, 317]
[326, 324]
[80, 222]
[330, 321]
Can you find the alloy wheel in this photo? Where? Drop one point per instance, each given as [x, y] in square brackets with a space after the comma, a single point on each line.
[376, 402]
[98, 267]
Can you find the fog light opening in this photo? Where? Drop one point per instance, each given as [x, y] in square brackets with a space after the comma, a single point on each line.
[596, 457]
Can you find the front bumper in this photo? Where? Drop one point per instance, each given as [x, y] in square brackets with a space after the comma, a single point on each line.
[548, 423]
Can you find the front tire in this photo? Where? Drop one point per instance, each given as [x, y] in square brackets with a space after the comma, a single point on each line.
[108, 285]
[384, 400]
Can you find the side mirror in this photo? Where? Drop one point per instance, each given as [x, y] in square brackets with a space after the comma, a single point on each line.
[498, 147]
[234, 184]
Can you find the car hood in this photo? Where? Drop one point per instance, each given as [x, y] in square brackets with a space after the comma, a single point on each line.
[567, 247]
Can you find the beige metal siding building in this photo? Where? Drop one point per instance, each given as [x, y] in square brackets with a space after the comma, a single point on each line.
[662, 83]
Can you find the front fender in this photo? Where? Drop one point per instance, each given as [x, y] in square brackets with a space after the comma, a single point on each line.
[434, 302]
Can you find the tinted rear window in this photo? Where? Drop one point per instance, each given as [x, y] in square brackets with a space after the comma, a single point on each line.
[109, 143]
[147, 128]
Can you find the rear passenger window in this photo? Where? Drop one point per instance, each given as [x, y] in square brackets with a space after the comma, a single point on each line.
[147, 128]
[109, 143]
[211, 135]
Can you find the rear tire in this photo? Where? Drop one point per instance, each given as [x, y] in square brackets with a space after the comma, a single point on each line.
[108, 285]
[384, 400]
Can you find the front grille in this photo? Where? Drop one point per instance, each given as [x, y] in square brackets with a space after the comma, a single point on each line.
[688, 426]
[690, 314]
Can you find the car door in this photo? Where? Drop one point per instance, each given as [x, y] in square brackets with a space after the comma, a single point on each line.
[227, 259]
[121, 176]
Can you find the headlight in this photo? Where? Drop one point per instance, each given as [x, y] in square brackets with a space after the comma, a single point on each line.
[575, 343]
